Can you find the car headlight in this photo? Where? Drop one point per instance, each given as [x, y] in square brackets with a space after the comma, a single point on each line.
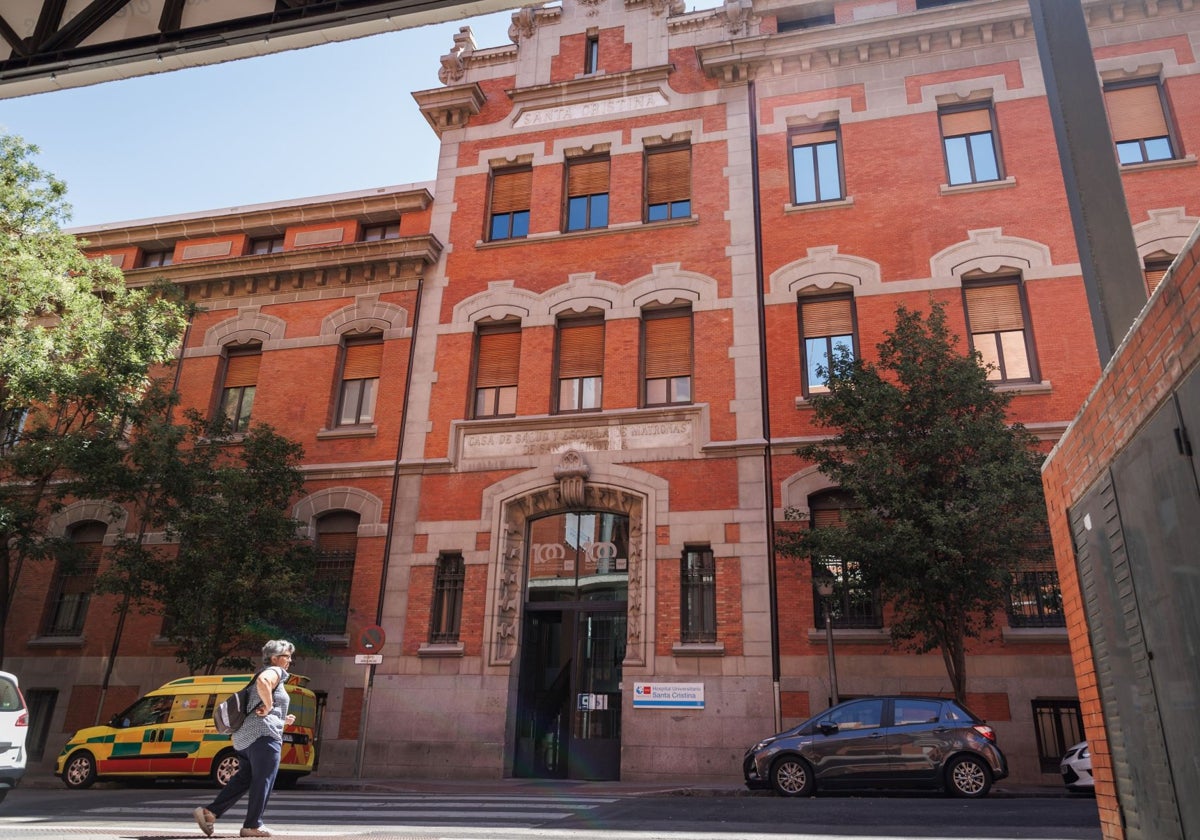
[1084, 753]
[763, 744]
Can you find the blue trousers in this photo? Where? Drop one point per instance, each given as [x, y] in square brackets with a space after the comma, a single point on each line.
[256, 773]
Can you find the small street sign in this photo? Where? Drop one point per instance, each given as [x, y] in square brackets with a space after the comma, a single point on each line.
[368, 658]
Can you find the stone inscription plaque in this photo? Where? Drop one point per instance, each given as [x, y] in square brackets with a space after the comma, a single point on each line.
[586, 110]
[585, 438]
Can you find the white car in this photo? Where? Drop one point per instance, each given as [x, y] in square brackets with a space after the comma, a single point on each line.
[1076, 768]
[14, 725]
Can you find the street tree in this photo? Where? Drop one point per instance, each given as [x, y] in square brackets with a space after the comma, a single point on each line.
[78, 350]
[234, 570]
[946, 493]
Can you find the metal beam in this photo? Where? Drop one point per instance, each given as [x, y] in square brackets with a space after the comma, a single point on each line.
[82, 25]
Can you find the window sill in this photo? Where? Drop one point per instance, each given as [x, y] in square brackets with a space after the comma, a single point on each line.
[1042, 387]
[56, 641]
[1034, 635]
[978, 186]
[1173, 163]
[347, 432]
[836, 203]
[448, 650]
[856, 635]
[698, 649]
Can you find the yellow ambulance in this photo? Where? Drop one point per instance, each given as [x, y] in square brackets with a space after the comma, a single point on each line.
[169, 734]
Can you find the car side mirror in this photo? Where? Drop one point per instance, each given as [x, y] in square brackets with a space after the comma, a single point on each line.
[118, 722]
[829, 728]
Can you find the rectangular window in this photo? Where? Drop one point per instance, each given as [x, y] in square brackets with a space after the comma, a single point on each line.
[446, 615]
[360, 381]
[667, 356]
[335, 572]
[71, 589]
[816, 165]
[497, 361]
[511, 193]
[698, 596]
[587, 194]
[1059, 726]
[591, 54]
[969, 141]
[668, 179]
[375, 233]
[12, 424]
[1155, 271]
[154, 259]
[237, 394]
[580, 362]
[1138, 119]
[996, 322]
[266, 245]
[851, 602]
[1035, 599]
[826, 329]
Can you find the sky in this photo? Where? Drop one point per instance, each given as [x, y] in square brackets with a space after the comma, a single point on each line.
[332, 118]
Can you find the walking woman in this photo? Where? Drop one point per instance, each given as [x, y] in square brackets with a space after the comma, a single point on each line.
[258, 743]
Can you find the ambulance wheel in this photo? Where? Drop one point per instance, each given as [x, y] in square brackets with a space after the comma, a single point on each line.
[224, 767]
[80, 770]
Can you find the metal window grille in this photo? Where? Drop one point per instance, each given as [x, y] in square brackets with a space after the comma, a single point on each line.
[447, 599]
[1058, 725]
[335, 570]
[853, 603]
[1036, 600]
[698, 590]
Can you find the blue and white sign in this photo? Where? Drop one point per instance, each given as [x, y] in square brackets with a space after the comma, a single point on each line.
[668, 695]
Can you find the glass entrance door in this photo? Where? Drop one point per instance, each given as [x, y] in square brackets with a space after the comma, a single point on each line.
[572, 648]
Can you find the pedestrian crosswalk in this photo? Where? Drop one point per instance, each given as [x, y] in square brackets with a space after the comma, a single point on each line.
[331, 808]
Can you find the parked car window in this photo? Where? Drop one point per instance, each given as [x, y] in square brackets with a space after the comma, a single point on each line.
[866, 714]
[912, 712]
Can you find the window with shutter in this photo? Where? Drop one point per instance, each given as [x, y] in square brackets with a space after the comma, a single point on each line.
[816, 163]
[74, 580]
[580, 365]
[361, 361]
[853, 603]
[239, 386]
[511, 198]
[497, 361]
[996, 322]
[337, 545]
[1138, 120]
[826, 330]
[667, 356]
[969, 142]
[1156, 270]
[668, 180]
[587, 194]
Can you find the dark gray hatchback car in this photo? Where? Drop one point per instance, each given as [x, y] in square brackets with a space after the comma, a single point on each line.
[881, 742]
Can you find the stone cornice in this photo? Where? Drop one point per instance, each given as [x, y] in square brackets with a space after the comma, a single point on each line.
[954, 27]
[450, 107]
[258, 221]
[591, 88]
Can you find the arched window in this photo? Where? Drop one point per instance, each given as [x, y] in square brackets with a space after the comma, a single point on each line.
[337, 544]
[74, 580]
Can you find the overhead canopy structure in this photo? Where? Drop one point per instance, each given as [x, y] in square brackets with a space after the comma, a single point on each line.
[51, 44]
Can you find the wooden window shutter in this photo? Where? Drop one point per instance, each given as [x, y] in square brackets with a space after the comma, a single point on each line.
[826, 317]
[813, 138]
[669, 346]
[973, 121]
[242, 370]
[668, 176]
[511, 190]
[995, 308]
[337, 543]
[580, 351]
[499, 359]
[587, 177]
[827, 518]
[1155, 273]
[1135, 113]
[363, 360]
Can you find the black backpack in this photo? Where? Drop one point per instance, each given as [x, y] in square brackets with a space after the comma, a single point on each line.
[231, 712]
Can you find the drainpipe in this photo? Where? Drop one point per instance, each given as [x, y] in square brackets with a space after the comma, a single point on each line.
[768, 471]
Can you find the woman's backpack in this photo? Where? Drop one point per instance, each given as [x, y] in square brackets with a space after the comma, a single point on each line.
[231, 713]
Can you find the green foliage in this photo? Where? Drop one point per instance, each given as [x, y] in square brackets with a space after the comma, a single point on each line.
[237, 572]
[78, 351]
[948, 495]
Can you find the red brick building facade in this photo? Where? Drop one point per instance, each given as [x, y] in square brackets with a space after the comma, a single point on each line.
[599, 328]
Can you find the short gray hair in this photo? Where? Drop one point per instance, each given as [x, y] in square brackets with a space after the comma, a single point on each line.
[276, 647]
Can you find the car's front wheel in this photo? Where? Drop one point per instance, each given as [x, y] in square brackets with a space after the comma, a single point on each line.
[968, 777]
[792, 776]
[80, 771]
[225, 767]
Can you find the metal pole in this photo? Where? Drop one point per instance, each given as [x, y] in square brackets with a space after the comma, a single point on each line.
[362, 721]
[833, 687]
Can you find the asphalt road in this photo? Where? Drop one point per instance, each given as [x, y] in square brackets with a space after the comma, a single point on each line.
[157, 812]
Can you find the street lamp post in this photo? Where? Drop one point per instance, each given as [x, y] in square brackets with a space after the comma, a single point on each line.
[825, 590]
